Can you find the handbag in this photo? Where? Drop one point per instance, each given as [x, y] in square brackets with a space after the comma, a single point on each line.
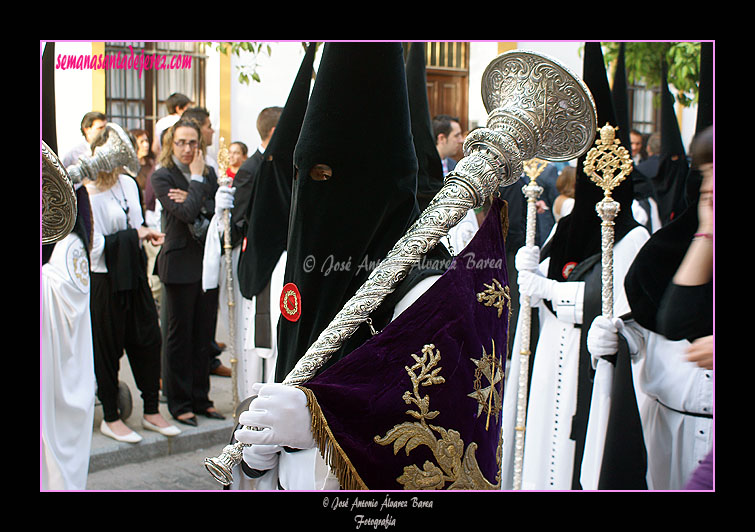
[198, 228]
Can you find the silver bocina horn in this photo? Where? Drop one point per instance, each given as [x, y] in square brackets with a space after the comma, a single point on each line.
[118, 151]
[536, 108]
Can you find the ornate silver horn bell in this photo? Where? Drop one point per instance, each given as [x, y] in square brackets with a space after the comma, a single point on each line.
[58, 198]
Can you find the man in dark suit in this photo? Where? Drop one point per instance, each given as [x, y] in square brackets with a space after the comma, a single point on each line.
[448, 140]
[186, 188]
[649, 166]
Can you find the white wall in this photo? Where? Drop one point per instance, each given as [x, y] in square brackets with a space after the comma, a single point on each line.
[566, 53]
[212, 96]
[687, 124]
[482, 53]
[73, 96]
[277, 72]
[480, 56]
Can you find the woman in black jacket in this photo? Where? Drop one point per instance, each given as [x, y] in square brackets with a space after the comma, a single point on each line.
[186, 188]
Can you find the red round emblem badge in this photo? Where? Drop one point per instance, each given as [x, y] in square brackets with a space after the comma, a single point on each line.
[568, 267]
[290, 303]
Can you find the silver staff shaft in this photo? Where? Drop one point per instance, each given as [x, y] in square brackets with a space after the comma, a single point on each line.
[607, 209]
[532, 192]
[228, 248]
[225, 181]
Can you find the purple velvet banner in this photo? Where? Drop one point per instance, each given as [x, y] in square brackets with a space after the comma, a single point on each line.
[418, 406]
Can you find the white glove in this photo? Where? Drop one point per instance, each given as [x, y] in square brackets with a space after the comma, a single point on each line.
[282, 414]
[527, 259]
[603, 337]
[224, 199]
[536, 286]
[261, 457]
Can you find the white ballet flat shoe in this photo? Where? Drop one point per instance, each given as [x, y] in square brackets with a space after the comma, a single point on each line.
[170, 430]
[131, 437]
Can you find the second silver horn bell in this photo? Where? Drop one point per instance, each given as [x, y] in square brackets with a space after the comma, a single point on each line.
[118, 151]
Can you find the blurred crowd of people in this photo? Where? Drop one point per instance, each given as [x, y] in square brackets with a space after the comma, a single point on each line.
[143, 240]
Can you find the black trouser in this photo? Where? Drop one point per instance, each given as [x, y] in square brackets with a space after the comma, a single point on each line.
[191, 315]
[124, 321]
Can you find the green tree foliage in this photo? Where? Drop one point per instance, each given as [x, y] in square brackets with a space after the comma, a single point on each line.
[644, 61]
[247, 71]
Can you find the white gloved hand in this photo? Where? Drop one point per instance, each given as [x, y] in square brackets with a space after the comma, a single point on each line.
[224, 199]
[536, 286]
[282, 414]
[527, 259]
[603, 337]
[261, 457]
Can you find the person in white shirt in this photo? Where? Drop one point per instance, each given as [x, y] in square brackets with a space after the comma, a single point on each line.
[124, 316]
[176, 104]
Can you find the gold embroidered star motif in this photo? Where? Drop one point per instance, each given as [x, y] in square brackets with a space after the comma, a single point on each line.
[455, 462]
[495, 295]
[489, 399]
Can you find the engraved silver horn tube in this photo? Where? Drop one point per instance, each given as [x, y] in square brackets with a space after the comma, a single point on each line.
[536, 107]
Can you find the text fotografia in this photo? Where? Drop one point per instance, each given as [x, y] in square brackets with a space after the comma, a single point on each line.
[374, 522]
[139, 61]
[331, 265]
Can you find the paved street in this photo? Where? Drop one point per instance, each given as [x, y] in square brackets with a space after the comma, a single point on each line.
[183, 471]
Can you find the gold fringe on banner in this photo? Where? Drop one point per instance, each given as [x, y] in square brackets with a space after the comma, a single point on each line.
[330, 450]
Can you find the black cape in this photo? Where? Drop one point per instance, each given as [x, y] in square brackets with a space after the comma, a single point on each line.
[270, 202]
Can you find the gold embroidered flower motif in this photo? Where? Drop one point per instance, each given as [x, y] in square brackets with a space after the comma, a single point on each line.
[430, 477]
[454, 464]
[495, 295]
